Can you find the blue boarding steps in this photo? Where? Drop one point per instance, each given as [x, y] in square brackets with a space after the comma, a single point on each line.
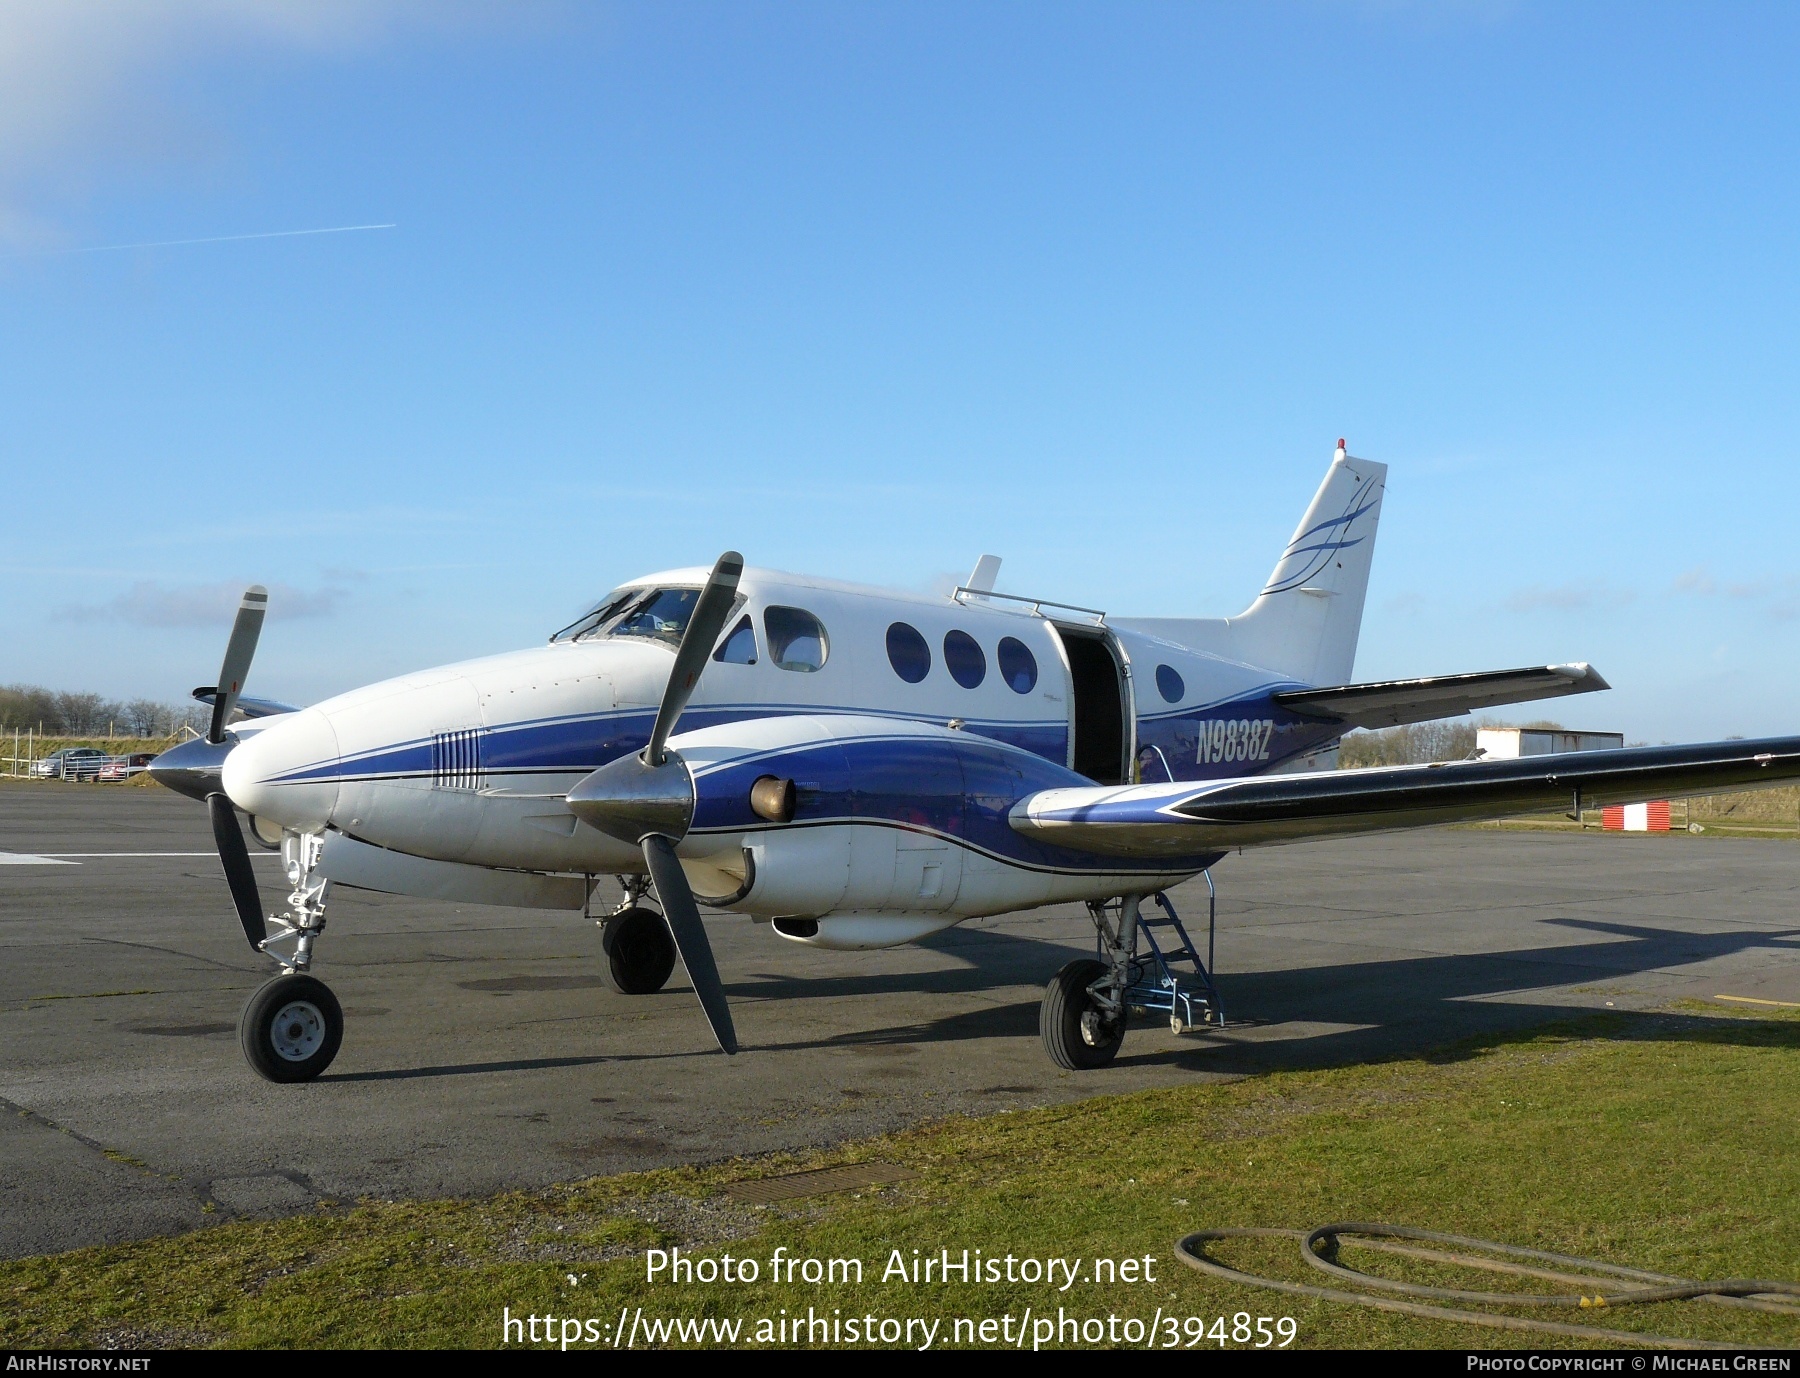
[1189, 998]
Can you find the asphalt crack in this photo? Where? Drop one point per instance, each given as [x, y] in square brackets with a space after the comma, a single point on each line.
[202, 1194]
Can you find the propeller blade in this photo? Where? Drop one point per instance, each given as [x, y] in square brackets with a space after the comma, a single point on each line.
[238, 652]
[683, 917]
[234, 856]
[703, 630]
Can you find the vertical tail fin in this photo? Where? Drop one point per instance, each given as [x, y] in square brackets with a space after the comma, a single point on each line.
[1305, 622]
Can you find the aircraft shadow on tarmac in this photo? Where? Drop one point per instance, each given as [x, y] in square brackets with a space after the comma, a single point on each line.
[1393, 1008]
[994, 961]
[1404, 1006]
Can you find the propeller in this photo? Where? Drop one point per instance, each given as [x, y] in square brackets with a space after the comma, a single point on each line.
[228, 833]
[648, 799]
[228, 836]
[683, 917]
[697, 641]
[238, 652]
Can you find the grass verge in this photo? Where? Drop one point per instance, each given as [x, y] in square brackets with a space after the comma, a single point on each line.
[1659, 1141]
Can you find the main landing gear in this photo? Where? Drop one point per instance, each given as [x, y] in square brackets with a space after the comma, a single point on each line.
[291, 1027]
[1086, 1005]
[640, 953]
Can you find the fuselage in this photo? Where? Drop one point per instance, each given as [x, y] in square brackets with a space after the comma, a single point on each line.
[469, 762]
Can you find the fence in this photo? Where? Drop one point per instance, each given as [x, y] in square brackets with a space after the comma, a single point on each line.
[36, 757]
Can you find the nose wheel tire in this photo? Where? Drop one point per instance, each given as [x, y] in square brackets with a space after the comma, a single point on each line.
[1076, 1033]
[640, 954]
[291, 1028]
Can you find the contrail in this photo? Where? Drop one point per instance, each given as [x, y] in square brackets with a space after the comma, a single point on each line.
[219, 239]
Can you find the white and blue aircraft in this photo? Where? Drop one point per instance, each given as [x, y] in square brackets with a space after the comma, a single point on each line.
[859, 768]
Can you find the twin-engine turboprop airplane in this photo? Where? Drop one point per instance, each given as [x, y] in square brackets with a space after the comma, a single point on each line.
[860, 768]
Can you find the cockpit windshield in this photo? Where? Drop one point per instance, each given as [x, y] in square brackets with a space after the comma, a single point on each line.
[659, 614]
[594, 616]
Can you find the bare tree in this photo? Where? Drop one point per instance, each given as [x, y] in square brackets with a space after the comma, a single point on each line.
[147, 717]
[1448, 739]
[87, 715]
[82, 714]
[27, 705]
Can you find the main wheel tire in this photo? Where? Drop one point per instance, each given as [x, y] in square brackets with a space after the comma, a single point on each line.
[291, 1028]
[640, 954]
[1069, 1022]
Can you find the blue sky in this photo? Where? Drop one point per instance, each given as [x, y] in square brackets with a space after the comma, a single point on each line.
[867, 290]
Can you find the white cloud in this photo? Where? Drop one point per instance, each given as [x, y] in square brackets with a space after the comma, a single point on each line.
[1779, 598]
[150, 603]
[81, 80]
[1570, 597]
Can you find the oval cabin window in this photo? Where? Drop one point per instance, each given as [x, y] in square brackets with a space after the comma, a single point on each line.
[1168, 683]
[964, 658]
[908, 653]
[796, 638]
[1018, 667]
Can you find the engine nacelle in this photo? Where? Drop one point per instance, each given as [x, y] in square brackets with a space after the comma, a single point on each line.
[857, 832]
[856, 867]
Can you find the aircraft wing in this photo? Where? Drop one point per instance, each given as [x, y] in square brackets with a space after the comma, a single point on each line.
[246, 706]
[1193, 817]
[1389, 703]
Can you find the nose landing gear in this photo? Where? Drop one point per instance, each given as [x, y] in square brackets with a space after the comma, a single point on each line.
[292, 1026]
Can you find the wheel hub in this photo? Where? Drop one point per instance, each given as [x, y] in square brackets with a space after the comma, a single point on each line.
[1094, 1032]
[297, 1031]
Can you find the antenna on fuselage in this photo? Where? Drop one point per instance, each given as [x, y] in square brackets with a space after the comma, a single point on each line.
[987, 570]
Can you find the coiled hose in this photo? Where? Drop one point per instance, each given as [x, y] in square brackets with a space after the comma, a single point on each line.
[1751, 1293]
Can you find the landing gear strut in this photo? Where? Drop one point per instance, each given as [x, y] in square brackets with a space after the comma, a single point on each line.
[1082, 1019]
[291, 1027]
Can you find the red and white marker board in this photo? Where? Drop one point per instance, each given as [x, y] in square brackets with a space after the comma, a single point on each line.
[1652, 817]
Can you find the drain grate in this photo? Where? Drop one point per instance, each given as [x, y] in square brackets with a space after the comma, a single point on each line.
[823, 1181]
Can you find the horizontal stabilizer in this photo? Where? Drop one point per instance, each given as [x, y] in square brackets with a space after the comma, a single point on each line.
[1392, 702]
[1190, 819]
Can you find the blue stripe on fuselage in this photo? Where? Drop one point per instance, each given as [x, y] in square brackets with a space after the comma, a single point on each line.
[580, 743]
[584, 742]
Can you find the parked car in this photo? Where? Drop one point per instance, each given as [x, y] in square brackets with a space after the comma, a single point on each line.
[72, 763]
[124, 767]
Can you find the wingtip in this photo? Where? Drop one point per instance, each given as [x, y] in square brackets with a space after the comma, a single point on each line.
[1590, 679]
